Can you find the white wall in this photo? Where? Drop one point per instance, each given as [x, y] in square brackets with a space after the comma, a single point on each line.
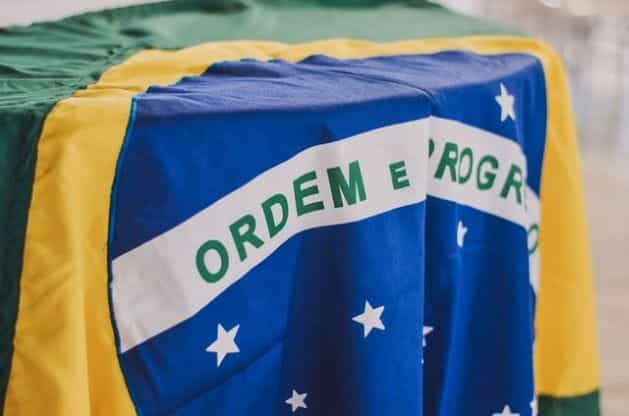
[23, 12]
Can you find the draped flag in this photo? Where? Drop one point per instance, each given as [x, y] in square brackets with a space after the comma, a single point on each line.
[198, 224]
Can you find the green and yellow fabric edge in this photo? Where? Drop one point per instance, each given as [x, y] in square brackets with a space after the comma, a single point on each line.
[45, 63]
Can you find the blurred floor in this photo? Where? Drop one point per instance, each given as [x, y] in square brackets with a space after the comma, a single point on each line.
[607, 193]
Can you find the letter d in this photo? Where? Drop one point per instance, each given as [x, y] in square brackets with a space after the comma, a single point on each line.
[275, 226]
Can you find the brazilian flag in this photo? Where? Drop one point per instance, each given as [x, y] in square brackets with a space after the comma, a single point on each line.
[230, 207]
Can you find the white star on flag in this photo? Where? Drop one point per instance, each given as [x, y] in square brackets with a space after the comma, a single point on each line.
[461, 230]
[533, 405]
[506, 102]
[370, 318]
[427, 330]
[506, 412]
[225, 343]
[296, 401]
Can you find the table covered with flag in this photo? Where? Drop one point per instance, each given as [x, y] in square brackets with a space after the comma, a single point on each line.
[382, 216]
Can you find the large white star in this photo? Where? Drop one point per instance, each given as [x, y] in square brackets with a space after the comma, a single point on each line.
[506, 102]
[370, 318]
[225, 343]
[506, 411]
[296, 401]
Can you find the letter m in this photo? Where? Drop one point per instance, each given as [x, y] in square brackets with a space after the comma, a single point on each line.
[341, 188]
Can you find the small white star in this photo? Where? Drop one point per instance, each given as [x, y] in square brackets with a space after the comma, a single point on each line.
[296, 401]
[461, 230]
[533, 405]
[370, 318]
[506, 102]
[506, 412]
[427, 330]
[225, 343]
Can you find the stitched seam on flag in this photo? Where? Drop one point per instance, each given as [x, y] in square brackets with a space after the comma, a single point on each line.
[112, 218]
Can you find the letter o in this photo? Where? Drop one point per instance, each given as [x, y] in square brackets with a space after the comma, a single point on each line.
[220, 249]
[533, 229]
[466, 153]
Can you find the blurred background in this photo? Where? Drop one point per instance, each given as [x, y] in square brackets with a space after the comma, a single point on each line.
[592, 36]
